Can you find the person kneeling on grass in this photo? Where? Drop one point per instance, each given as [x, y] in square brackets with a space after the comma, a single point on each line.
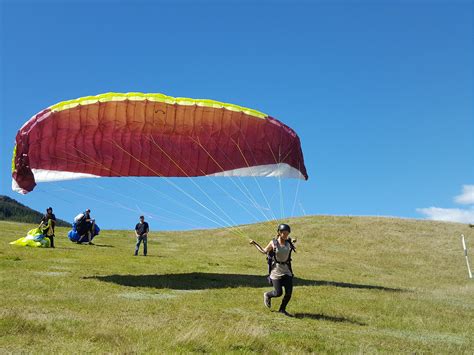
[278, 252]
[85, 227]
[141, 232]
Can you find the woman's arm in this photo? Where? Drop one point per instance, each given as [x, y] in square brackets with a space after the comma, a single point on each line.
[257, 246]
[267, 249]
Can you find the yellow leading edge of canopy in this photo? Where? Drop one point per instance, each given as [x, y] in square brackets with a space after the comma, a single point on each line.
[13, 159]
[138, 96]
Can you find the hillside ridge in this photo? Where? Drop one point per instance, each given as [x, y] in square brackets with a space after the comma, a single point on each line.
[12, 210]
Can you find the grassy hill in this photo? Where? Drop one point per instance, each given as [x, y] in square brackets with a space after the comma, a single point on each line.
[12, 210]
[363, 285]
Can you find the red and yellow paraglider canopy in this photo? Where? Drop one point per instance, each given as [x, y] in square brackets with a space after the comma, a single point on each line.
[135, 134]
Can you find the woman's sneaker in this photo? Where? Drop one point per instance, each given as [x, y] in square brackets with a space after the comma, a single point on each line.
[267, 301]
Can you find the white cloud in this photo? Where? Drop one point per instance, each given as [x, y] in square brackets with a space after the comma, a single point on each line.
[454, 214]
[448, 214]
[467, 196]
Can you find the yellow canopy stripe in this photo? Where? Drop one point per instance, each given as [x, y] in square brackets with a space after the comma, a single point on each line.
[13, 159]
[138, 96]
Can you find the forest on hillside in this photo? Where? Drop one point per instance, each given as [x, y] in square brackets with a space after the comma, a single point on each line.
[12, 210]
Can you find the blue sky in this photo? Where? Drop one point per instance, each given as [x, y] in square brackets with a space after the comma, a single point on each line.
[380, 93]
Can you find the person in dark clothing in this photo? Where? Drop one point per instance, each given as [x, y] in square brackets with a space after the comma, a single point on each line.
[47, 223]
[141, 231]
[85, 227]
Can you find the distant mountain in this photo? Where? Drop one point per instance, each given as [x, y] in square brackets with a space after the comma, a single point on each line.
[12, 210]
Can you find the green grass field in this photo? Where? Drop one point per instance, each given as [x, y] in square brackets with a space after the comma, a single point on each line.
[364, 284]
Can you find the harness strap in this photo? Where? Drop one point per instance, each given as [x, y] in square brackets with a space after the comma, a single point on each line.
[273, 256]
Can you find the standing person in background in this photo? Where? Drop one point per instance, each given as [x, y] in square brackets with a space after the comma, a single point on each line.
[141, 231]
[48, 222]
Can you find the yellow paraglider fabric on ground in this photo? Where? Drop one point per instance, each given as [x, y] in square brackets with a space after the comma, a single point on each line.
[34, 238]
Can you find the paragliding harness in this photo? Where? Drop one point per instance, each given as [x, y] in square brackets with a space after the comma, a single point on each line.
[81, 217]
[272, 261]
[46, 229]
[82, 227]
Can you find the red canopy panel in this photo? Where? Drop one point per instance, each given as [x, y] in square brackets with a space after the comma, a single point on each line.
[149, 138]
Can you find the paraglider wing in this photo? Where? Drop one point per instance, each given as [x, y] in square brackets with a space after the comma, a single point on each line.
[34, 238]
[138, 134]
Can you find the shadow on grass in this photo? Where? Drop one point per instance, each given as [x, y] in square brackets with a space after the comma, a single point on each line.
[326, 318]
[202, 281]
[348, 285]
[85, 245]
